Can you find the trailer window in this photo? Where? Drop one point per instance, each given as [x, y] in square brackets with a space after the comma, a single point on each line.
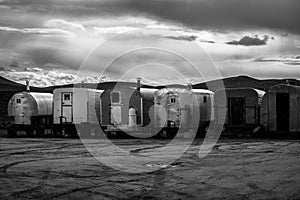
[115, 97]
[18, 101]
[204, 99]
[67, 97]
[173, 100]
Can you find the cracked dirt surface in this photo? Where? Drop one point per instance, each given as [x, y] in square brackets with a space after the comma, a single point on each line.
[234, 169]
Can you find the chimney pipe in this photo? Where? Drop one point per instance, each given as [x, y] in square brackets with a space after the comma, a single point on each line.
[189, 86]
[138, 84]
[27, 86]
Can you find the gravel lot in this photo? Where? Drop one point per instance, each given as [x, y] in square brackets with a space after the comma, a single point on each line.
[234, 169]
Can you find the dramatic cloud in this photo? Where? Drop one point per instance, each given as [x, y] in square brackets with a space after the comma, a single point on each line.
[40, 78]
[225, 14]
[289, 60]
[207, 41]
[2, 68]
[250, 41]
[60, 23]
[44, 31]
[201, 14]
[186, 38]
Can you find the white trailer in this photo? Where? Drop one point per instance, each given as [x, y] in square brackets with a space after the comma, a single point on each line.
[77, 109]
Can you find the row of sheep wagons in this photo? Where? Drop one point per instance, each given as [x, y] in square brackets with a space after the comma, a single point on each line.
[145, 112]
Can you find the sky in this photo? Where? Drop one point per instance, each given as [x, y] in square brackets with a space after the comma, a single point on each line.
[54, 42]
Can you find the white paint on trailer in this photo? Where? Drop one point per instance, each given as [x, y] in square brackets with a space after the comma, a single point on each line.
[116, 107]
[76, 105]
[132, 118]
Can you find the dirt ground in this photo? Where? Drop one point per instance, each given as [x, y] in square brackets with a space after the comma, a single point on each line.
[234, 169]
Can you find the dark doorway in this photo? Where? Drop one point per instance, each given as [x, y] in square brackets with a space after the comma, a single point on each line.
[283, 111]
[236, 110]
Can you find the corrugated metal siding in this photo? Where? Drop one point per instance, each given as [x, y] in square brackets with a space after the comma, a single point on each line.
[44, 102]
[32, 104]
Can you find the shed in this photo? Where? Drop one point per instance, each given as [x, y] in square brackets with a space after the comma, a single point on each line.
[242, 107]
[281, 109]
[25, 105]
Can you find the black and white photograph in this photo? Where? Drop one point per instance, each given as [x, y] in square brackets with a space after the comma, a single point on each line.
[149, 99]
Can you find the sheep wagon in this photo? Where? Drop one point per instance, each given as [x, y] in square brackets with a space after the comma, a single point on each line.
[31, 113]
[187, 111]
[127, 110]
[76, 112]
[242, 108]
[281, 109]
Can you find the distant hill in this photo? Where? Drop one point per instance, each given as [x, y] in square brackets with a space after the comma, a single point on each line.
[231, 82]
[7, 85]
[245, 81]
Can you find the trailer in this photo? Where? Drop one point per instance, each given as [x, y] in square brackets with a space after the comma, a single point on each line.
[76, 112]
[188, 110]
[242, 107]
[31, 113]
[281, 109]
[127, 110]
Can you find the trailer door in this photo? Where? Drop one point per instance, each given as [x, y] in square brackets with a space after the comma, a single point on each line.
[236, 106]
[116, 108]
[20, 117]
[174, 110]
[67, 107]
[282, 111]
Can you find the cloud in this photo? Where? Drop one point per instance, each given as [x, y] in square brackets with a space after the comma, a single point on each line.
[41, 78]
[42, 31]
[112, 30]
[183, 37]
[32, 69]
[2, 68]
[65, 25]
[208, 41]
[225, 15]
[199, 14]
[250, 41]
[288, 60]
